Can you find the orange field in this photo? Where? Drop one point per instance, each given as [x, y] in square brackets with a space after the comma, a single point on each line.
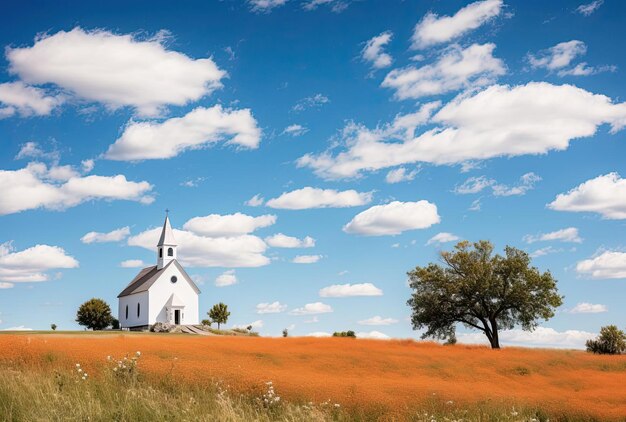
[391, 375]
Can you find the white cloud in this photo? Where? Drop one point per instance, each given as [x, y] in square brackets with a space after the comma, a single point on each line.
[256, 201]
[348, 290]
[306, 259]
[132, 263]
[265, 6]
[255, 325]
[374, 52]
[544, 251]
[336, 6]
[314, 101]
[588, 8]
[393, 218]
[569, 234]
[455, 69]
[116, 70]
[87, 165]
[270, 308]
[498, 121]
[479, 183]
[588, 308]
[318, 334]
[606, 265]
[312, 309]
[112, 236]
[400, 175]
[378, 320]
[200, 128]
[474, 184]
[559, 56]
[200, 251]
[18, 328]
[442, 237]
[295, 130]
[374, 335]
[541, 337]
[312, 320]
[283, 241]
[227, 278]
[17, 97]
[432, 29]
[605, 195]
[4, 285]
[216, 225]
[35, 186]
[32, 264]
[309, 197]
[32, 150]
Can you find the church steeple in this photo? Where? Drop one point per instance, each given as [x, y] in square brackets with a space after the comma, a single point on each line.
[166, 248]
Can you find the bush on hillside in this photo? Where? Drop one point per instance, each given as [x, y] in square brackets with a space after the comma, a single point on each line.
[348, 333]
[611, 341]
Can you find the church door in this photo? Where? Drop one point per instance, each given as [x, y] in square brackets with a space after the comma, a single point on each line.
[177, 317]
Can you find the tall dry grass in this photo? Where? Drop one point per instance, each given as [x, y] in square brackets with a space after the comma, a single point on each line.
[370, 380]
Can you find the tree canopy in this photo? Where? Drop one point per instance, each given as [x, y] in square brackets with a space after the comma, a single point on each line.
[611, 341]
[94, 314]
[480, 290]
[219, 314]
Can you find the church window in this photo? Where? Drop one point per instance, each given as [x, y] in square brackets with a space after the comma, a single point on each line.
[170, 252]
[138, 309]
[126, 311]
[160, 252]
[174, 279]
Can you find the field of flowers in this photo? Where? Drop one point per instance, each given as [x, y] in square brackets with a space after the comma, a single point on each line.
[385, 379]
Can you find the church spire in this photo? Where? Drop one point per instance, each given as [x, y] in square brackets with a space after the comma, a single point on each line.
[166, 248]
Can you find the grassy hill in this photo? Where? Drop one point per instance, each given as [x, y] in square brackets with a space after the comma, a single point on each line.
[225, 378]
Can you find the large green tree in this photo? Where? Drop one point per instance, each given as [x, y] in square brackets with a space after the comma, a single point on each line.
[219, 314]
[94, 314]
[480, 290]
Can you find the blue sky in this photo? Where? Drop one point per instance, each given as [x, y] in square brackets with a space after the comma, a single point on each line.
[370, 134]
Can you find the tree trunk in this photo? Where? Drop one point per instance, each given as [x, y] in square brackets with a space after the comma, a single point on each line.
[495, 340]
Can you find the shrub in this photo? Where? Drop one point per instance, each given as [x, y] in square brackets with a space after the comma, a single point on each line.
[219, 314]
[206, 322]
[53, 326]
[94, 314]
[611, 341]
[115, 324]
[285, 332]
[348, 333]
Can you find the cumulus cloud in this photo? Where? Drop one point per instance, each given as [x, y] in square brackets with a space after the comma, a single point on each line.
[498, 121]
[112, 236]
[255, 325]
[17, 97]
[37, 186]
[227, 278]
[314, 101]
[201, 251]
[443, 237]
[132, 263]
[587, 9]
[540, 337]
[309, 197]
[280, 240]
[456, 69]
[216, 225]
[569, 234]
[373, 335]
[265, 6]
[588, 308]
[559, 56]
[374, 51]
[295, 130]
[32, 264]
[378, 320]
[312, 309]
[348, 290]
[306, 259]
[200, 128]
[400, 175]
[605, 265]
[116, 70]
[270, 308]
[433, 29]
[605, 195]
[393, 218]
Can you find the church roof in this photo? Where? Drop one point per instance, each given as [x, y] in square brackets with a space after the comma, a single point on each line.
[148, 276]
[167, 234]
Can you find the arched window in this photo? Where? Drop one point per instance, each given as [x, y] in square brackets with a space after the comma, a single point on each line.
[170, 252]
[138, 309]
[126, 311]
[160, 252]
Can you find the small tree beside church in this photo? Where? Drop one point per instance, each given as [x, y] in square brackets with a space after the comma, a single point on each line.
[481, 290]
[219, 314]
[94, 314]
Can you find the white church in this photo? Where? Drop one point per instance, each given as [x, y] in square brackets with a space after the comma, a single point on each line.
[161, 293]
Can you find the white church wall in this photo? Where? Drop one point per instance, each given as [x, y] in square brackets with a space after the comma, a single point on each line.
[162, 290]
[131, 301]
